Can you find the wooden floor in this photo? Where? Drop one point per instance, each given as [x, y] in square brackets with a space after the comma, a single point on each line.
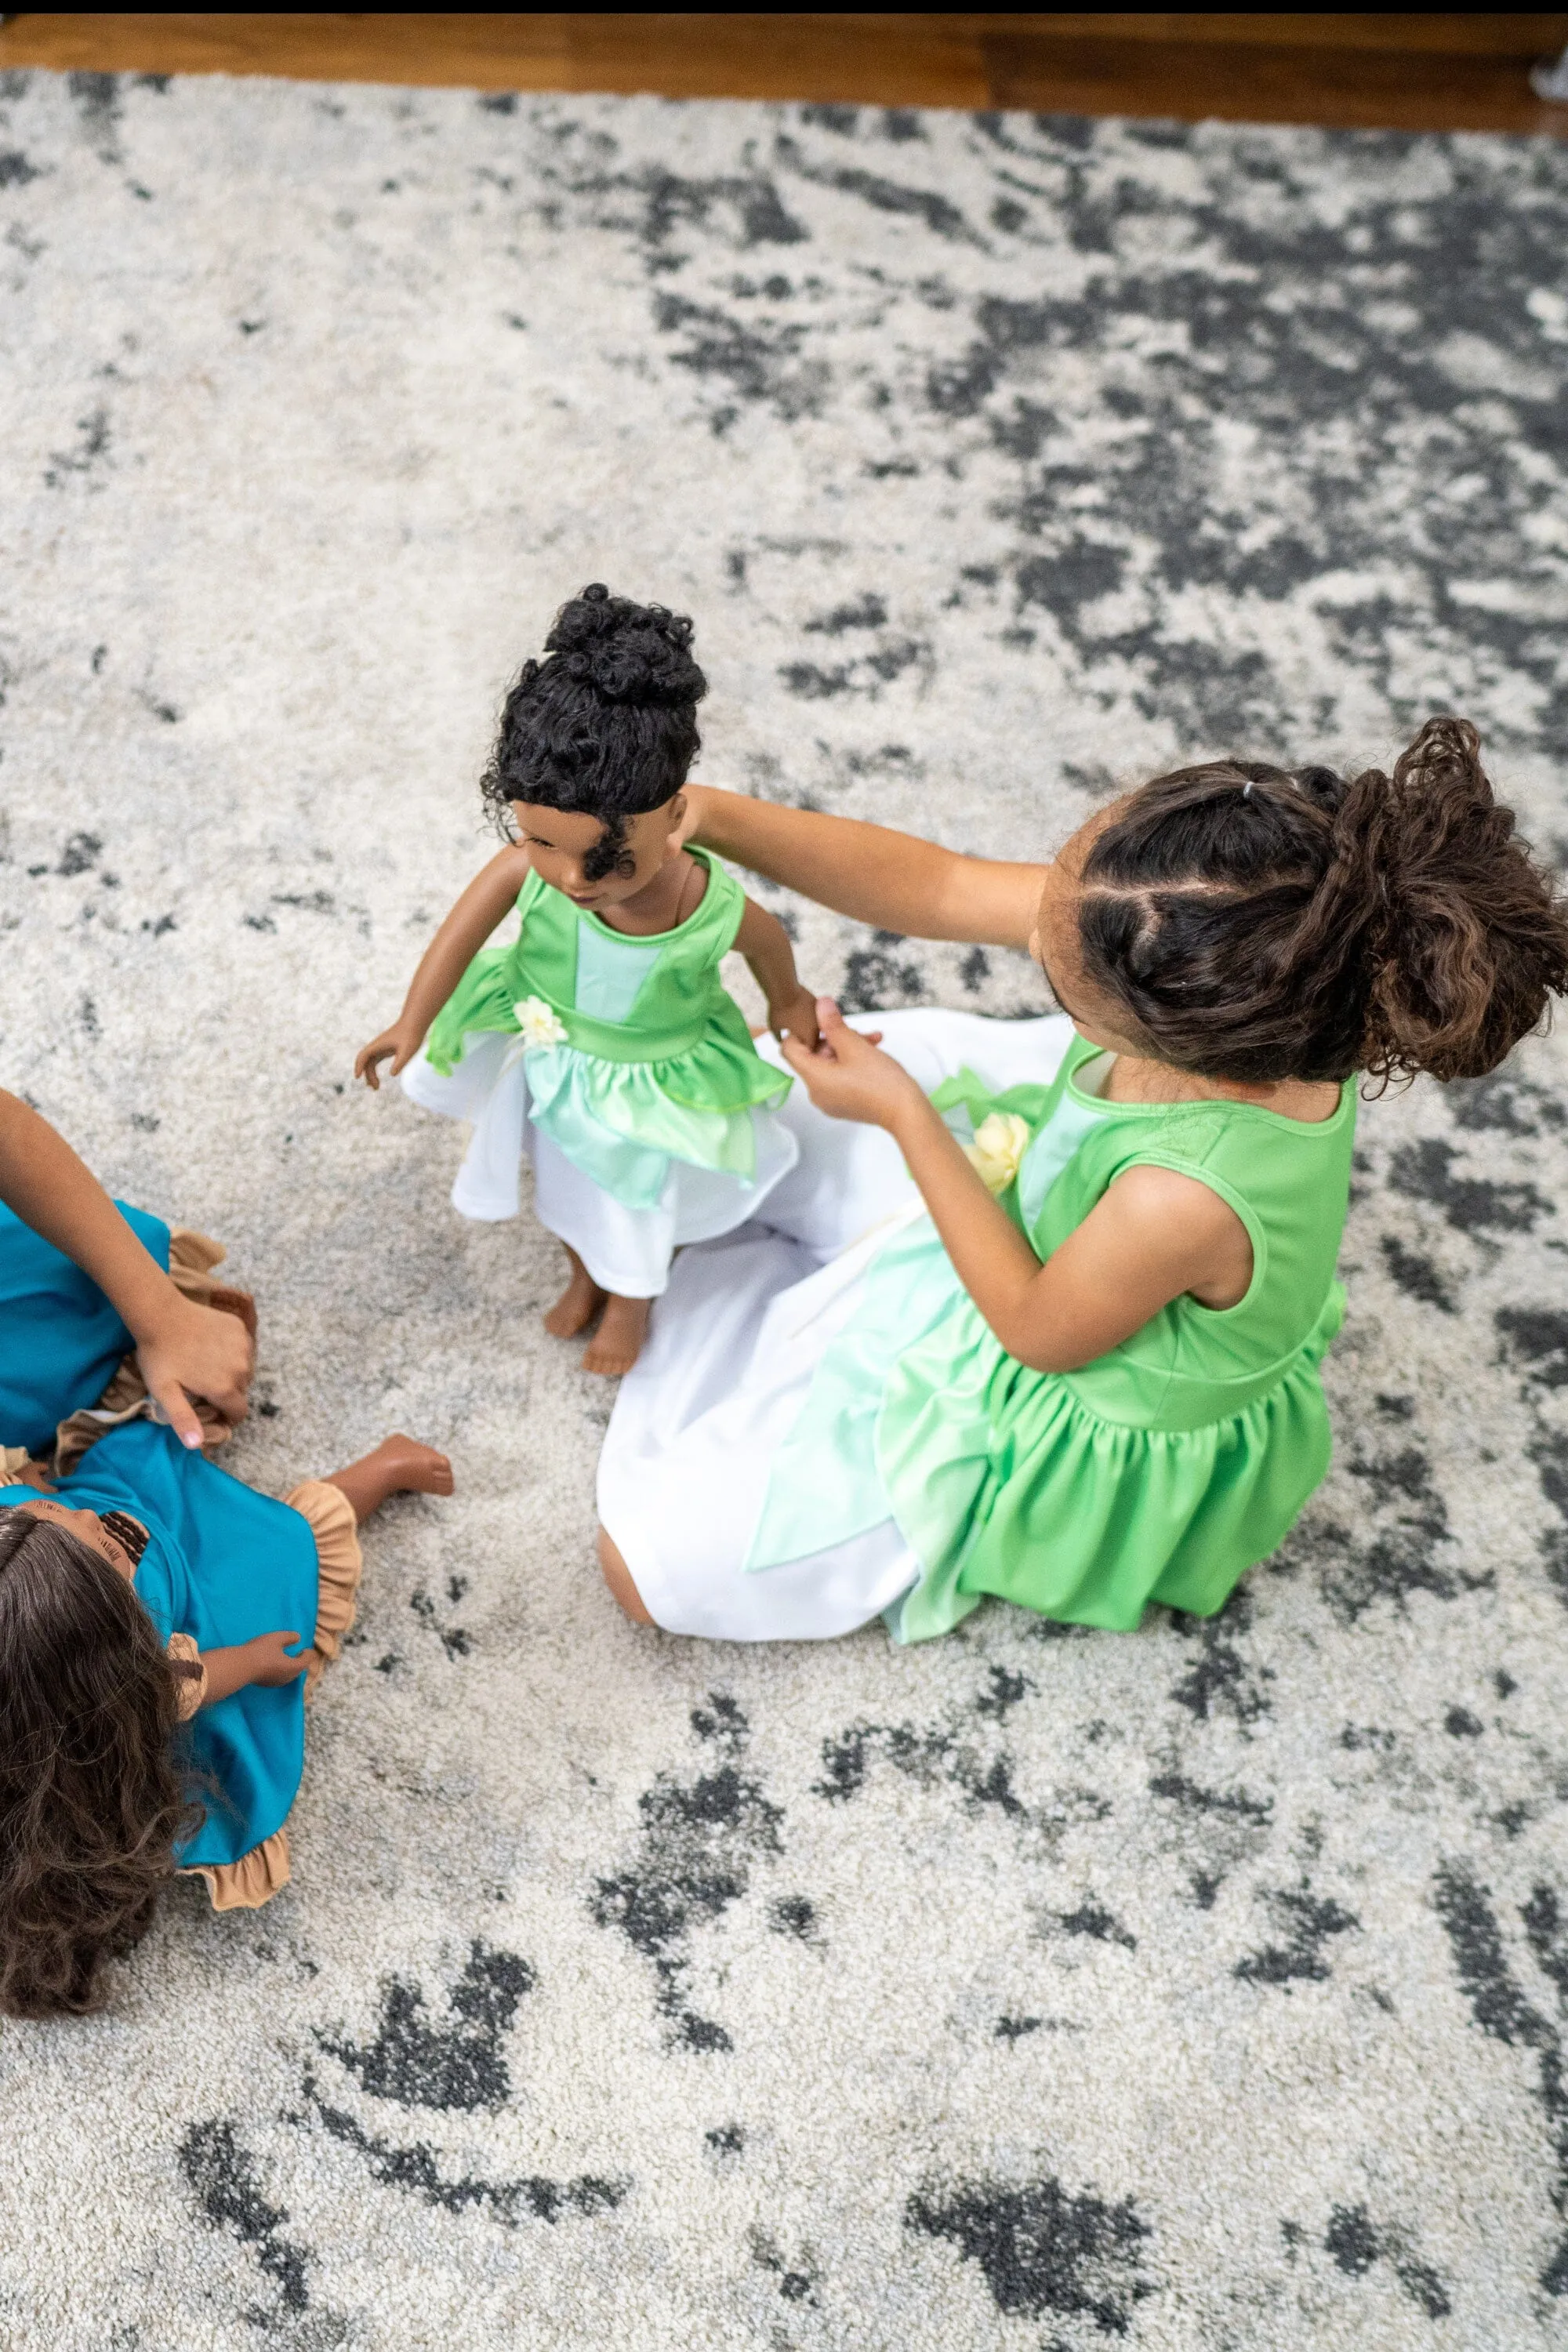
[1395, 72]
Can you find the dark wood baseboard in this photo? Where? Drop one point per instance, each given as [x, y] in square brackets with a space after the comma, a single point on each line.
[1395, 72]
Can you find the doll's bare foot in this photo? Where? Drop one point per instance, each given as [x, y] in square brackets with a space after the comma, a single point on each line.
[617, 1345]
[399, 1465]
[578, 1303]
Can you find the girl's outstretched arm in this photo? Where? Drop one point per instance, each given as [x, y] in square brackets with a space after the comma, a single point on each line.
[186, 1350]
[893, 880]
[1152, 1236]
[489, 896]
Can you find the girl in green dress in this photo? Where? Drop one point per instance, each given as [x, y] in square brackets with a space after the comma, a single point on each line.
[601, 1045]
[1077, 1365]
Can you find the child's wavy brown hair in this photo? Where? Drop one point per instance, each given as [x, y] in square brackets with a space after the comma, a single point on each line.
[1259, 924]
[91, 1804]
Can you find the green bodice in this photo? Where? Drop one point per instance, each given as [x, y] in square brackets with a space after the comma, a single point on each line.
[636, 1055]
[1161, 1471]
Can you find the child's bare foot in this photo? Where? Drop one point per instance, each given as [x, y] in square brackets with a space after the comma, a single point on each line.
[618, 1343]
[399, 1465]
[578, 1303]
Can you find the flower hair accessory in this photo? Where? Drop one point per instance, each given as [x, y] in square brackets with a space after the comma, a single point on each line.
[539, 1025]
[996, 1153]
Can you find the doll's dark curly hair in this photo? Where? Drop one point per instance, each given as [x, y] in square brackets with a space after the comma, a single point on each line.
[90, 1803]
[605, 726]
[1259, 923]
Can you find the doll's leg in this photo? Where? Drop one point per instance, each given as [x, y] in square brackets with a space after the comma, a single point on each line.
[618, 1343]
[578, 1303]
[399, 1465]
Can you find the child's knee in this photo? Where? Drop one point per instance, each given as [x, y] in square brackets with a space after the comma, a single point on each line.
[618, 1577]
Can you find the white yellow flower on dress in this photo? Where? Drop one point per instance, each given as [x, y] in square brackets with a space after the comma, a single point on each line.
[538, 1024]
[1000, 1142]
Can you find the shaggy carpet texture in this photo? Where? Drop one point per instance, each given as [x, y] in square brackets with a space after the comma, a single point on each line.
[1203, 1988]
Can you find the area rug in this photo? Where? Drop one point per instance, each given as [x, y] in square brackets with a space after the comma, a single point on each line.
[1203, 1988]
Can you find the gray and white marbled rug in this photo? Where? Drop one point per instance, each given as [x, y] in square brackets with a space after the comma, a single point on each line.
[1198, 1989]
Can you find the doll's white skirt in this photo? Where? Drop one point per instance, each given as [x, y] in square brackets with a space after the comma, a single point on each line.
[735, 1341]
[628, 1251]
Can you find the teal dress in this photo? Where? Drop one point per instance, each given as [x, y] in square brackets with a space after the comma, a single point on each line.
[1162, 1471]
[222, 1564]
[635, 1055]
[60, 1340]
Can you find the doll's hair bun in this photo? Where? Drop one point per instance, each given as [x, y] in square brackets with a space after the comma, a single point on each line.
[605, 726]
[629, 652]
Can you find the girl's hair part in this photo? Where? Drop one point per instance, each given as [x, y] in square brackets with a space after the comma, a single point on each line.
[1259, 923]
[90, 1805]
[605, 726]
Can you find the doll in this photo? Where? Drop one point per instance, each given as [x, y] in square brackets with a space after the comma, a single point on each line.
[152, 1616]
[601, 1045]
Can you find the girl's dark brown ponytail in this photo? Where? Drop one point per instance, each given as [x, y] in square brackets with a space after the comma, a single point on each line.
[1465, 945]
[1258, 924]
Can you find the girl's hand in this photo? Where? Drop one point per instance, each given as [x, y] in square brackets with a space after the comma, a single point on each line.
[795, 1017]
[848, 1076]
[400, 1041]
[198, 1351]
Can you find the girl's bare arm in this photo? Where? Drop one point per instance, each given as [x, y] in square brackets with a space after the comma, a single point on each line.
[893, 880]
[1154, 1235]
[487, 899]
[186, 1350]
[765, 944]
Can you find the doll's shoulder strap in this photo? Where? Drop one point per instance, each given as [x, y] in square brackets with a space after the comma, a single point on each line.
[713, 926]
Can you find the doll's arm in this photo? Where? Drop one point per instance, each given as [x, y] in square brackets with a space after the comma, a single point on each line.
[765, 944]
[265, 1660]
[1154, 1235]
[489, 896]
[185, 1350]
[893, 880]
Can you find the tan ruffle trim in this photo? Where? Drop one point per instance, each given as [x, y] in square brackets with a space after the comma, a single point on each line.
[253, 1880]
[13, 1460]
[256, 1877]
[190, 1675]
[339, 1563]
[192, 1258]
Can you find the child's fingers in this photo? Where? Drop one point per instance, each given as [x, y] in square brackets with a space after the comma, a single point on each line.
[178, 1411]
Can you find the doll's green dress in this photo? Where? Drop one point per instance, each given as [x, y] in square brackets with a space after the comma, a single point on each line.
[636, 1055]
[621, 1070]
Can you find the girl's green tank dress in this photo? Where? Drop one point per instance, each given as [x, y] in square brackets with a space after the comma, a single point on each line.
[636, 1055]
[1162, 1470]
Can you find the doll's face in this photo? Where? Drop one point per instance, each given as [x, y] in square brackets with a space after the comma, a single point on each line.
[88, 1528]
[558, 843]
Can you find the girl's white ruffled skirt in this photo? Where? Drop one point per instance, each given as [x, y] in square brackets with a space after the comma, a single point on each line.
[732, 1349]
[628, 1251]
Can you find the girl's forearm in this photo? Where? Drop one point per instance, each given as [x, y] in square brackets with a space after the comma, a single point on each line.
[990, 1255]
[893, 880]
[50, 1189]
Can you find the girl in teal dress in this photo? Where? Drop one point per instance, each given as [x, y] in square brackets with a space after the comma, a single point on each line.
[1075, 1365]
[601, 1045]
